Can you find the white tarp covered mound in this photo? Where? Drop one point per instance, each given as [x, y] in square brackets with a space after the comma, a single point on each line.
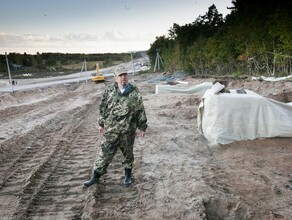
[272, 79]
[227, 117]
[200, 88]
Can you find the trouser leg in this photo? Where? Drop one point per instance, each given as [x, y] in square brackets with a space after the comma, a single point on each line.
[126, 146]
[108, 149]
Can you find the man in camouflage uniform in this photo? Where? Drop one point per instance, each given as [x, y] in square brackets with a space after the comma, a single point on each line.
[121, 114]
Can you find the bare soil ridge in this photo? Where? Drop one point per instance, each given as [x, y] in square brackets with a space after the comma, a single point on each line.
[49, 139]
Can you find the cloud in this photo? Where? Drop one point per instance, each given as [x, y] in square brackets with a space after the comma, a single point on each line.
[79, 37]
[114, 41]
[121, 35]
[116, 36]
[19, 39]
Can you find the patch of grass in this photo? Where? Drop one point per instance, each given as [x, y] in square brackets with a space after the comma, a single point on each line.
[90, 65]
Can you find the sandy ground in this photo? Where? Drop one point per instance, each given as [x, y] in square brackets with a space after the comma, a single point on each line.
[49, 139]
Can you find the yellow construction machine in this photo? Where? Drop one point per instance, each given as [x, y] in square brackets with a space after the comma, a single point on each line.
[97, 77]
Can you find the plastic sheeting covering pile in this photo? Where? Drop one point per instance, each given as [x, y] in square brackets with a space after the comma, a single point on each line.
[227, 117]
[199, 89]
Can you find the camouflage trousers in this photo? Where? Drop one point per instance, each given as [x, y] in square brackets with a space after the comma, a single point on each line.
[110, 143]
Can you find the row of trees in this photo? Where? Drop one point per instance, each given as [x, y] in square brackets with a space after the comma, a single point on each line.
[254, 39]
[44, 62]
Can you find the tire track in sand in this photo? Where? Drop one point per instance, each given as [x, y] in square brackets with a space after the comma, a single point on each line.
[111, 199]
[25, 158]
[57, 189]
[31, 162]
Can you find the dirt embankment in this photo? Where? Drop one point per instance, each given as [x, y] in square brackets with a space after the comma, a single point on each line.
[49, 139]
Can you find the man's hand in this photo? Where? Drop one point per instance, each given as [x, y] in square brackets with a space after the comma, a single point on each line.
[100, 129]
[141, 133]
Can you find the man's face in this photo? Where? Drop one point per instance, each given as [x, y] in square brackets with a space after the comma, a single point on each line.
[122, 80]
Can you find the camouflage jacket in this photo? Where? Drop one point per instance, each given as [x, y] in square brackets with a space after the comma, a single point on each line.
[122, 113]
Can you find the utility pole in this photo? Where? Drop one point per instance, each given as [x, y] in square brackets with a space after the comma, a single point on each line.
[133, 64]
[158, 60]
[84, 67]
[8, 69]
[85, 70]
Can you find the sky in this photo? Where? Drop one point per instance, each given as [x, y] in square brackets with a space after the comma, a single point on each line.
[94, 26]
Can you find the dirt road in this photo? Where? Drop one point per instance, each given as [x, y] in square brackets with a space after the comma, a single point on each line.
[49, 140]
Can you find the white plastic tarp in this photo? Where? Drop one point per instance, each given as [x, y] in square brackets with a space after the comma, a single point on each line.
[200, 88]
[227, 117]
[272, 79]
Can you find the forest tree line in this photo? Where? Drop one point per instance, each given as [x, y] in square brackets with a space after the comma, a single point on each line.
[254, 39]
[43, 64]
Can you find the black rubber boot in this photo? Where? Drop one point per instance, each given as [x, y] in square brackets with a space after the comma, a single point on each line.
[128, 178]
[94, 179]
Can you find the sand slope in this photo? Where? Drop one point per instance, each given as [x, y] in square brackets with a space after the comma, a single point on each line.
[49, 139]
